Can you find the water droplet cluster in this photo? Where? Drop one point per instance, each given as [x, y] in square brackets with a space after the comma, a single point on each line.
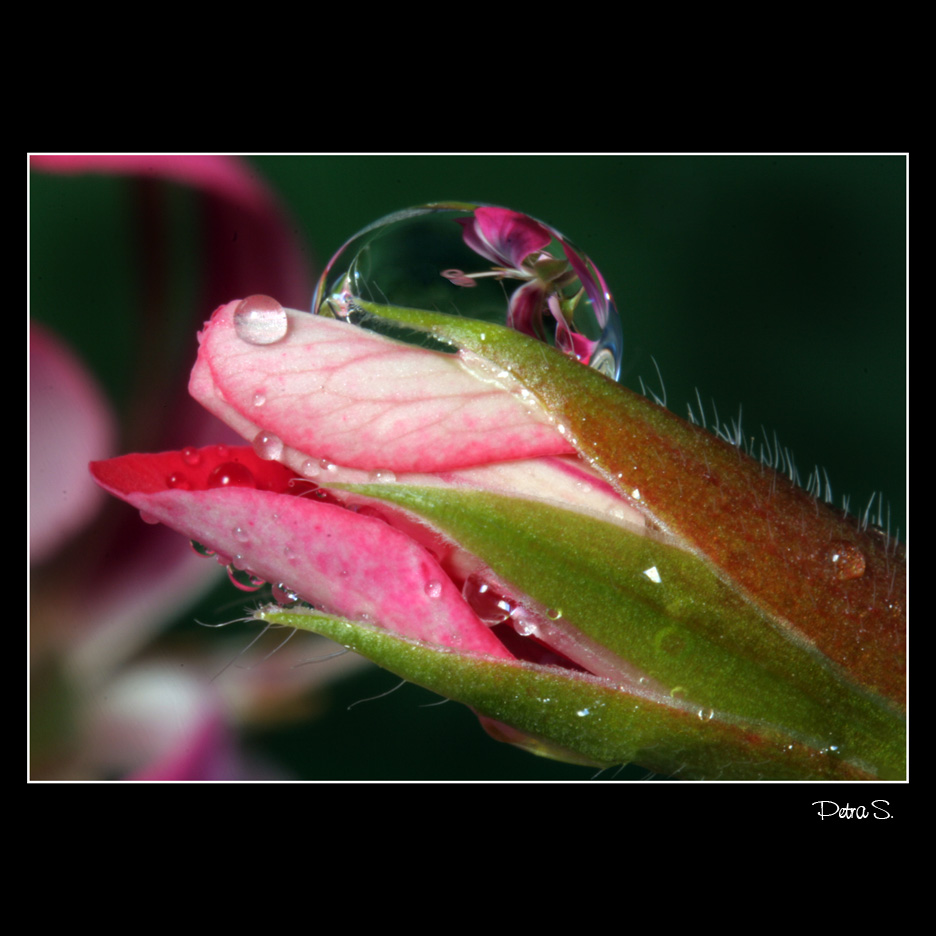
[480, 262]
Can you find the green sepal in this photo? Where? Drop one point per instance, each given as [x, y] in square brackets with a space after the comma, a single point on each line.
[667, 614]
[770, 540]
[561, 711]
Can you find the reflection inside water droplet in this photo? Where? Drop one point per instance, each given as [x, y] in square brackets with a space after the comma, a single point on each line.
[479, 262]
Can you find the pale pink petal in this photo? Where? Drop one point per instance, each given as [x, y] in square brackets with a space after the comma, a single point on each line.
[563, 481]
[331, 390]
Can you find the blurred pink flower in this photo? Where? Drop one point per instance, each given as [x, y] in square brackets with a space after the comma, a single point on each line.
[101, 585]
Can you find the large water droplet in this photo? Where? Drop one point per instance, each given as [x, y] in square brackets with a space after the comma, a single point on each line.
[260, 320]
[480, 262]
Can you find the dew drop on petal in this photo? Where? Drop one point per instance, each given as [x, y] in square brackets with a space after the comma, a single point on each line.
[433, 588]
[178, 481]
[310, 468]
[522, 624]
[488, 604]
[231, 474]
[148, 517]
[268, 446]
[260, 320]
[243, 579]
[480, 262]
[201, 550]
[259, 398]
[191, 456]
[284, 596]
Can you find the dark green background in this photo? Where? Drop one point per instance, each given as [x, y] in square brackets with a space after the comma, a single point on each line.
[774, 282]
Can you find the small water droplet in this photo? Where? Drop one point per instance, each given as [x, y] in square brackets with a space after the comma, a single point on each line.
[524, 626]
[148, 517]
[241, 535]
[231, 474]
[201, 550]
[178, 481]
[848, 561]
[653, 574]
[260, 320]
[383, 477]
[259, 398]
[244, 579]
[268, 446]
[583, 712]
[310, 468]
[553, 614]
[481, 262]
[191, 456]
[284, 596]
[490, 606]
[433, 589]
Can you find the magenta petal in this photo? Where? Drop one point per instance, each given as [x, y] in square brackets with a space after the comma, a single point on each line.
[504, 237]
[343, 562]
[332, 390]
[525, 312]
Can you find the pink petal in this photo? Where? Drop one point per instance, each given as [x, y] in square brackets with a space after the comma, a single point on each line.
[346, 563]
[70, 422]
[335, 391]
